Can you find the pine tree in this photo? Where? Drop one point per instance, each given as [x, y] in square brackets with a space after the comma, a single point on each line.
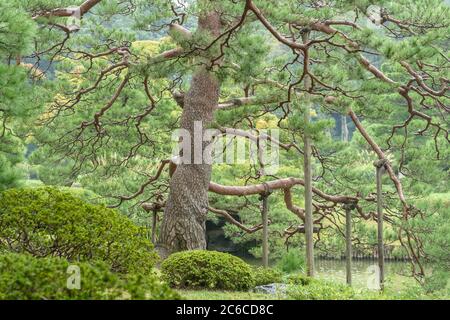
[234, 65]
[16, 35]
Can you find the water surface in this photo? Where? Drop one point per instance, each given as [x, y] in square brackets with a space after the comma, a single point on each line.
[363, 271]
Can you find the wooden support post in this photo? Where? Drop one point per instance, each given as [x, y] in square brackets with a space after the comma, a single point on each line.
[264, 197]
[348, 243]
[308, 205]
[348, 240]
[154, 208]
[307, 175]
[379, 165]
[154, 221]
[265, 230]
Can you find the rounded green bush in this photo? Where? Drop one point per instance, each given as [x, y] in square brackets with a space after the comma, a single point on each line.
[207, 269]
[49, 222]
[264, 276]
[25, 277]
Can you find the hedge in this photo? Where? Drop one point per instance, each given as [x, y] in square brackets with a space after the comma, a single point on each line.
[25, 277]
[207, 269]
[48, 222]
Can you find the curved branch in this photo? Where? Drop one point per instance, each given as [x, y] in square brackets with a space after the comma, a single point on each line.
[69, 11]
[231, 220]
[300, 212]
[285, 183]
[272, 30]
[381, 156]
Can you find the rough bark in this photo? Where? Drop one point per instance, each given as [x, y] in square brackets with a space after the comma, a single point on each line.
[183, 224]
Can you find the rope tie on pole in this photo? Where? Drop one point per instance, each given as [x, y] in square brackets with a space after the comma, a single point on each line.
[266, 193]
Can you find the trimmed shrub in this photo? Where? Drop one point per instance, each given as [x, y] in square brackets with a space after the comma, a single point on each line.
[264, 276]
[25, 277]
[207, 269]
[49, 222]
[291, 261]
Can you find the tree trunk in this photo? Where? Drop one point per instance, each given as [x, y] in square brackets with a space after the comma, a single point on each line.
[183, 224]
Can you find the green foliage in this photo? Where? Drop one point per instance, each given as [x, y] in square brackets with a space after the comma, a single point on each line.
[25, 277]
[11, 154]
[48, 222]
[317, 290]
[410, 292]
[438, 281]
[16, 29]
[264, 276]
[135, 129]
[298, 279]
[434, 232]
[301, 287]
[207, 269]
[292, 261]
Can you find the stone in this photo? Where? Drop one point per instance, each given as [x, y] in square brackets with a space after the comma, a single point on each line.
[272, 288]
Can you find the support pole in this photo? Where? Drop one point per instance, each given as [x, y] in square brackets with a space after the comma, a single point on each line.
[308, 203]
[348, 242]
[154, 208]
[264, 197]
[154, 221]
[307, 173]
[265, 230]
[379, 165]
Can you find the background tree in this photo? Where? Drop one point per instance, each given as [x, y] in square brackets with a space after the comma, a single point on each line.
[16, 36]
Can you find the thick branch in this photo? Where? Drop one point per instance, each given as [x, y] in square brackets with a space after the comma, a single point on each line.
[178, 32]
[69, 11]
[381, 156]
[245, 101]
[300, 212]
[166, 55]
[285, 183]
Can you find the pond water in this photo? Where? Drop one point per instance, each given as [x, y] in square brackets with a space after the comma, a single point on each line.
[363, 272]
[396, 272]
